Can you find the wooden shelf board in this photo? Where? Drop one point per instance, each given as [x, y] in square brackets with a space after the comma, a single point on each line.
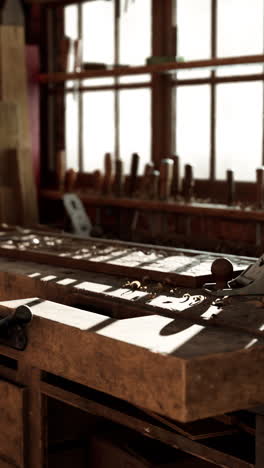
[194, 208]
[155, 68]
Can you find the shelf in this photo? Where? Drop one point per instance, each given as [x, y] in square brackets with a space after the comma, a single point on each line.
[170, 67]
[194, 208]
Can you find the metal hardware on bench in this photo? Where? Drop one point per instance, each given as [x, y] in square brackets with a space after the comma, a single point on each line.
[13, 328]
[249, 282]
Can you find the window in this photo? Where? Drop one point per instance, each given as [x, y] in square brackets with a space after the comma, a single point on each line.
[96, 113]
[219, 124]
[239, 129]
[219, 113]
[193, 128]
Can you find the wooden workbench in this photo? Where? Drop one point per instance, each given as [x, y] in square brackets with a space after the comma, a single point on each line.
[149, 355]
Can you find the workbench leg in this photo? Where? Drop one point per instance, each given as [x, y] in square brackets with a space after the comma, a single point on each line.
[259, 441]
[35, 419]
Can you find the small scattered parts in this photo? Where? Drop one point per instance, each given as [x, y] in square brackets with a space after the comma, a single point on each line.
[195, 300]
[132, 285]
[185, 297]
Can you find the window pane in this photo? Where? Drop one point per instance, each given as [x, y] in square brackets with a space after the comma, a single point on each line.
[135, 126]
[71, 31]
[240, 32]
[71, 21]
[193, 128]
[194, 33]
[135, 36]
[98, 32]
[239, 129]
[71, 134]
[98, 125]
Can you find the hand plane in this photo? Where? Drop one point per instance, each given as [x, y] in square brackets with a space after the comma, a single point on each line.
[249, 282]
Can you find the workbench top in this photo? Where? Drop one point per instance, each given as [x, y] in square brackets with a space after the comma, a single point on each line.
[175, 351]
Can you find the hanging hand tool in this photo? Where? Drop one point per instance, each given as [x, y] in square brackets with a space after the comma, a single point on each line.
[175, 185]
[107, 182]
[119, 178]
[230, 187]
[132, 184]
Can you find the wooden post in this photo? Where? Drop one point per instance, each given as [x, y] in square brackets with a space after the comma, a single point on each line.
[36, 418]
[163, 44]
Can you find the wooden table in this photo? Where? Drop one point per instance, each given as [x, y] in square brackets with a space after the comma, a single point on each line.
[165, 356]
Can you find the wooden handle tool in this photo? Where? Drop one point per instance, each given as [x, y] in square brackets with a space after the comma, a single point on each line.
[133, 174]
[166, 174]
[119, 178]
[70, 180]
[175, 185]
[97, 181]
[155, 176]
[230, 187]
[260, 187]
[188, 182]
[107, 183]
[60, 168]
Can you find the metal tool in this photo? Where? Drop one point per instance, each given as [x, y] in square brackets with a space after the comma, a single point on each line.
[13, 328]
[80, 220]
[249, 282]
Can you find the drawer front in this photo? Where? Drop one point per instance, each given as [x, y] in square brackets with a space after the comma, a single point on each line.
[11, 424]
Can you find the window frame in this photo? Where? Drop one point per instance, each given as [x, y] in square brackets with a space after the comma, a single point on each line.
[163, 87]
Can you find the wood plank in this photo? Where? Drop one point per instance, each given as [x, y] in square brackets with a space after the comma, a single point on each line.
[146, 428]
[11, 423]
[13, 88]
[195, 208]
[10, 176]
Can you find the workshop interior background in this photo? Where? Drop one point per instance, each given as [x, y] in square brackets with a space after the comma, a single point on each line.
[141, 121]
[150, 80]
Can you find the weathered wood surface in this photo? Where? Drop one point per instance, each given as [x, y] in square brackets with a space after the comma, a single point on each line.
[179, 267]
[177, 355]
[11, 424]
[13, 88]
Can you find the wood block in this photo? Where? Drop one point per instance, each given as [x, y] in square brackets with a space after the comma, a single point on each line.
[13, 88]
[11, 424]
